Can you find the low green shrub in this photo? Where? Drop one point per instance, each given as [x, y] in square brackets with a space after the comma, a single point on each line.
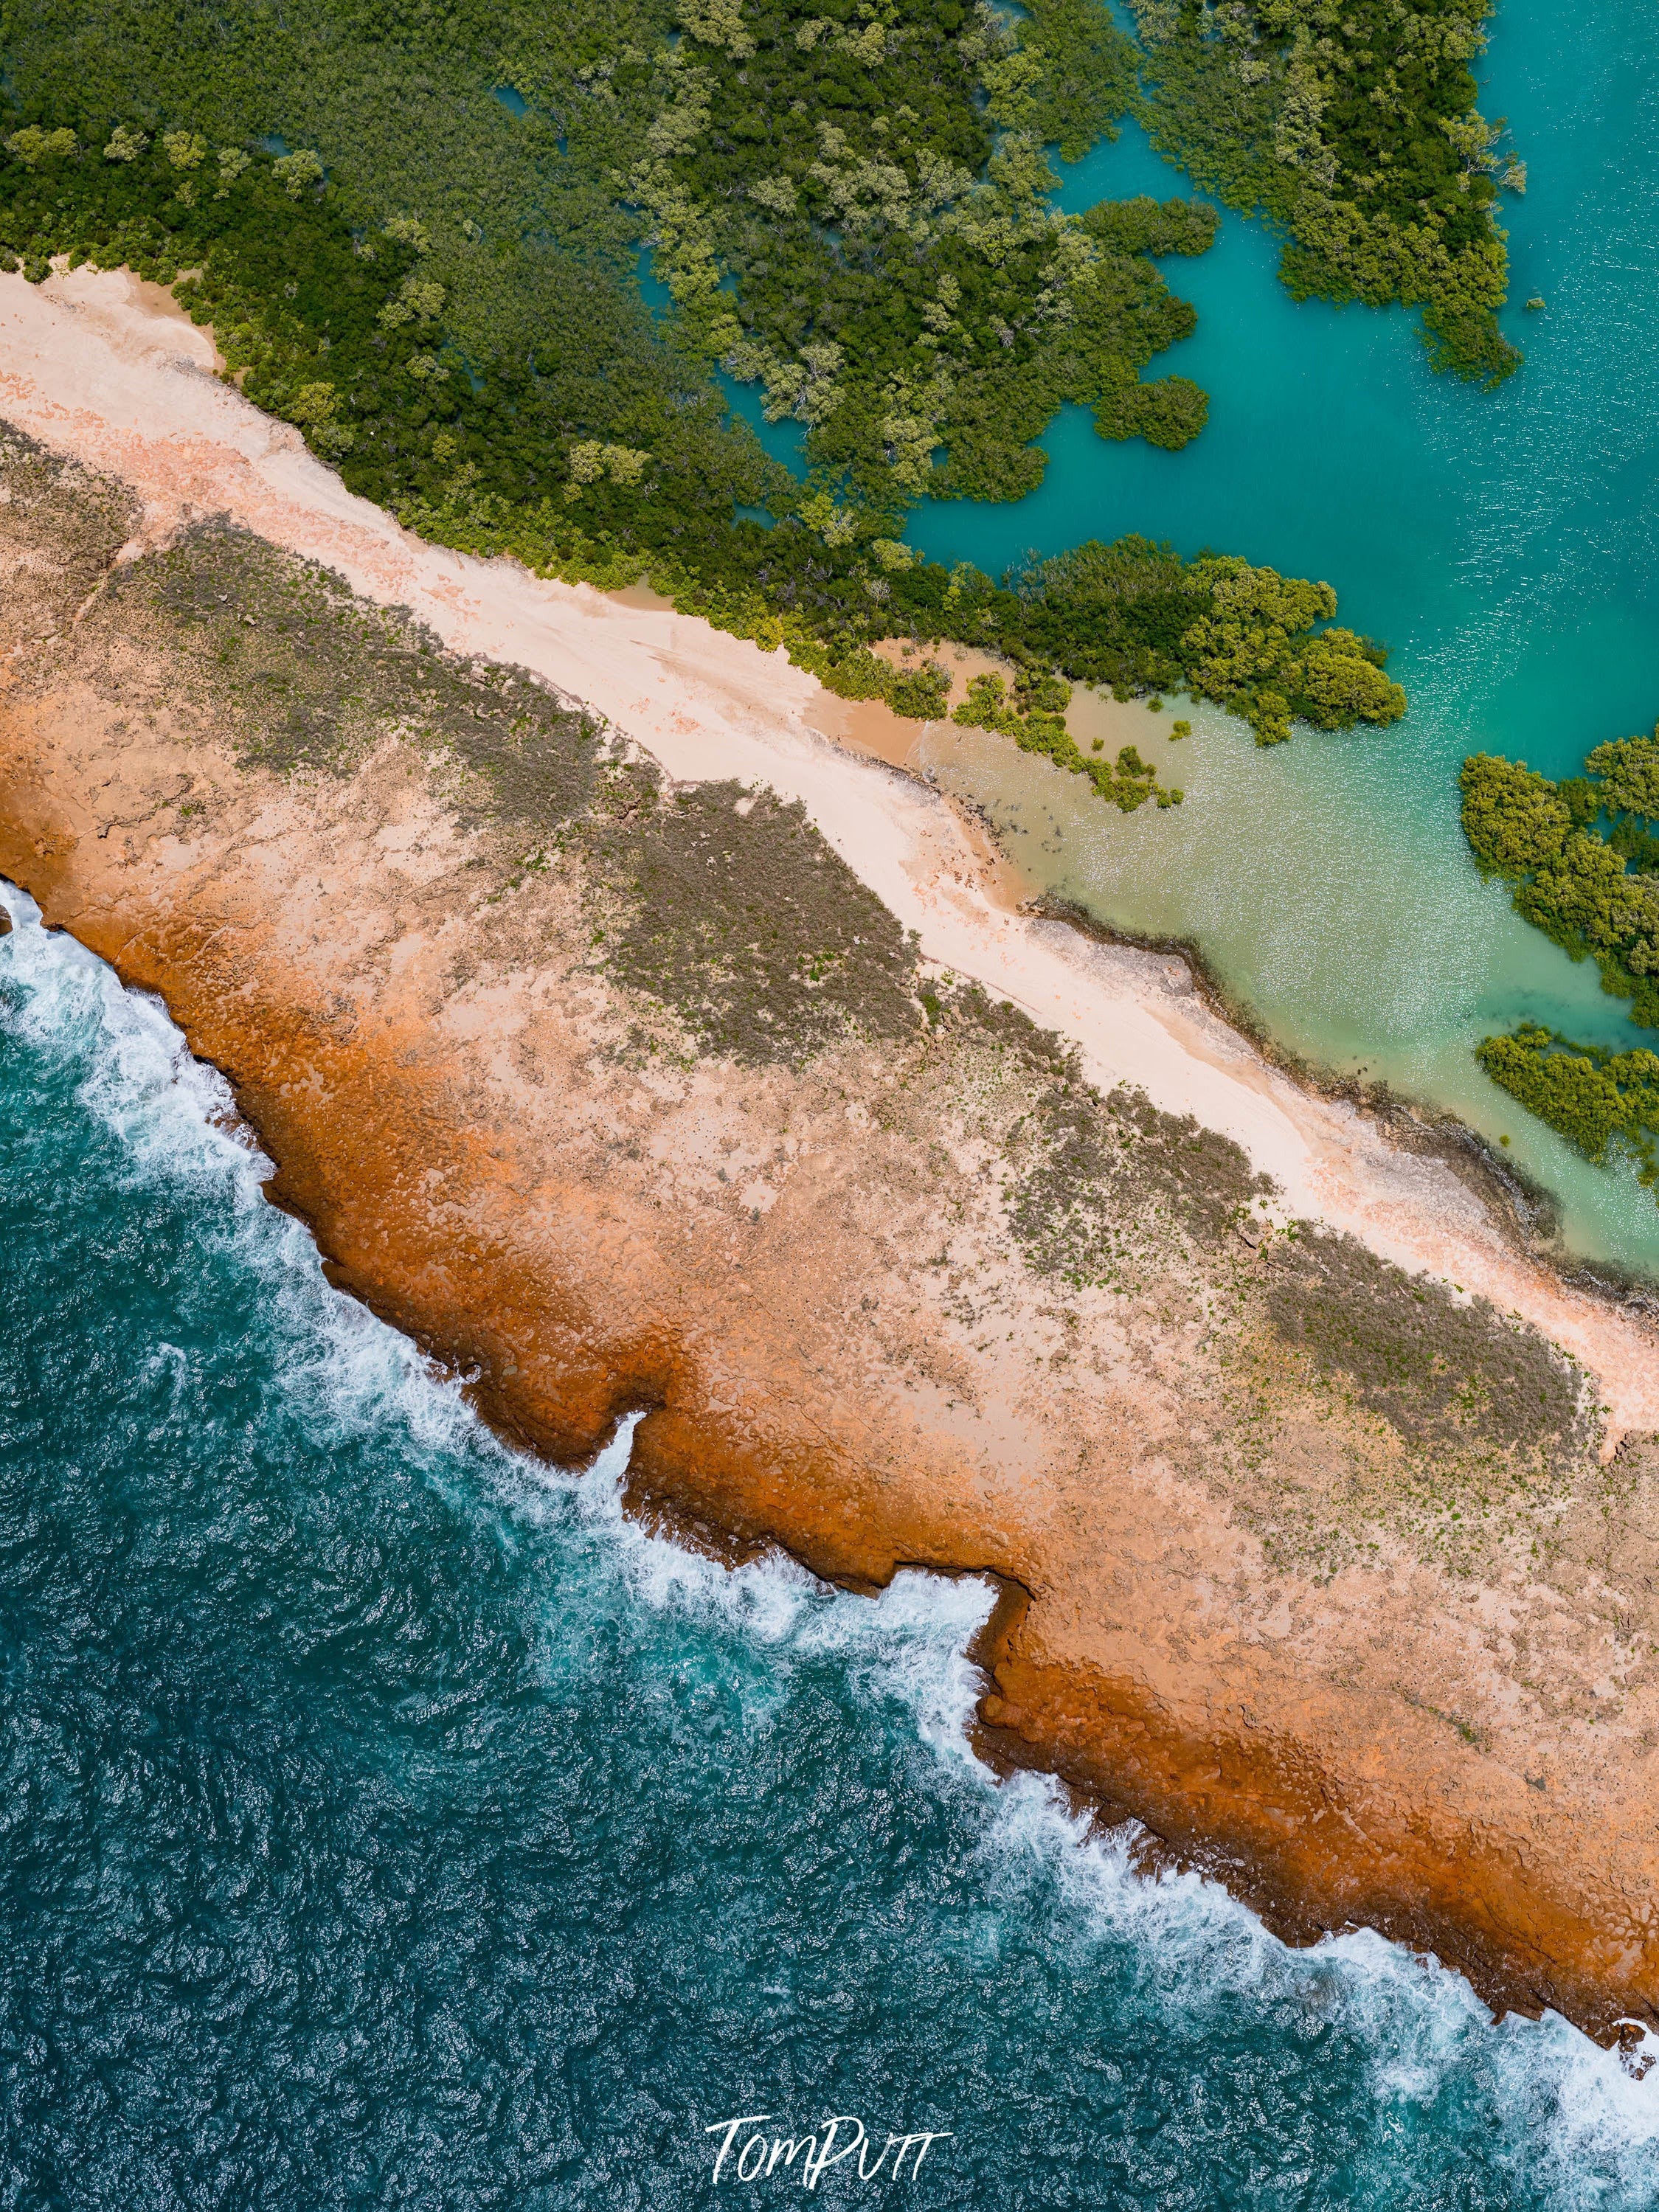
[1034, 718]
[1569, 878]
[1599, 1101]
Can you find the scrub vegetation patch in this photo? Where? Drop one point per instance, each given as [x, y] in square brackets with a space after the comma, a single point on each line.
[314, 677]
[1444, 1371]
[1095, 1182]
[1099, 1174]
[738, 916]
[49, 503]
[723, 905]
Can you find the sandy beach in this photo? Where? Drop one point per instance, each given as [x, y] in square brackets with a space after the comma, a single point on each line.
[1461, 1756]
[103, 366]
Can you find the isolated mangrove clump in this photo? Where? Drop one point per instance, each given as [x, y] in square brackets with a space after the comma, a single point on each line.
[1582, 861]
[1355, 128]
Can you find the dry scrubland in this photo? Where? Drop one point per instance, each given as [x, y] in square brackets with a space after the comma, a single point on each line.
[615, 1091]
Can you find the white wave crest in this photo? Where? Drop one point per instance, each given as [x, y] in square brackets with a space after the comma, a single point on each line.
[906, 1647]
[1583, 2122]
[175, 1117]
[138, 1076]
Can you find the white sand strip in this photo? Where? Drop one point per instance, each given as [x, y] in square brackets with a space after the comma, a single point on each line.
[100, 367]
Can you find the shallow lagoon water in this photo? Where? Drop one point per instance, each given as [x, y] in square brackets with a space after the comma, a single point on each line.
[1504, 545]
[386, 1821]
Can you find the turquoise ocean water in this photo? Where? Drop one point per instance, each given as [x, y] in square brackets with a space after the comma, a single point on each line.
[386, 1822]
[1502, 544]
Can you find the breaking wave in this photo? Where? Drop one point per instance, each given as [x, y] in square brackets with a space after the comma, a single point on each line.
[388, 1818]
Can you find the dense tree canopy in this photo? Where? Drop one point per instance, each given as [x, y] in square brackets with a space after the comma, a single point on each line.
[1605, 1103]
[850, 206]
[416, 230]
[1353, 124]
[1572, 878]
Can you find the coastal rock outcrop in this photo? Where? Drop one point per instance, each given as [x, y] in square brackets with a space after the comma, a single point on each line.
[618, 1090]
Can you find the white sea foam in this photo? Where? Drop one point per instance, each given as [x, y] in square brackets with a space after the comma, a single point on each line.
[1585, 2118]
[141, 1080]
[909, 1645]
[175, 1117]
[1581, 2121]
[1585, 2121]
[1581, 2118]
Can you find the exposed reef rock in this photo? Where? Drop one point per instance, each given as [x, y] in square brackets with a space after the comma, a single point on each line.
[616, 1093]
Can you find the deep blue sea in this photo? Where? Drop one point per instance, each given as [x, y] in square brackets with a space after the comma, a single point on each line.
[386, 1821]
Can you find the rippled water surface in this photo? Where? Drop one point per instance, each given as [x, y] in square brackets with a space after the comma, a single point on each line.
[385, 1821]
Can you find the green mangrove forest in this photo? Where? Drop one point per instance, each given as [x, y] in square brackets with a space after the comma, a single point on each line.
[1354, 127]
[419, 233]
[1582, 859]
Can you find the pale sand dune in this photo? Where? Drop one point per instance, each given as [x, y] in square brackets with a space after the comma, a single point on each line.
[103, 367]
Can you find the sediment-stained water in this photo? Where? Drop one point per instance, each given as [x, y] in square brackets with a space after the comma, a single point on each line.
[1504, 545]
[388, 1821]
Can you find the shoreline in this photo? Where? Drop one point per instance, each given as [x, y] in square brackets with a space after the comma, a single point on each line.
[1514, 1200]
[133, 320]
[1148, 1649]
